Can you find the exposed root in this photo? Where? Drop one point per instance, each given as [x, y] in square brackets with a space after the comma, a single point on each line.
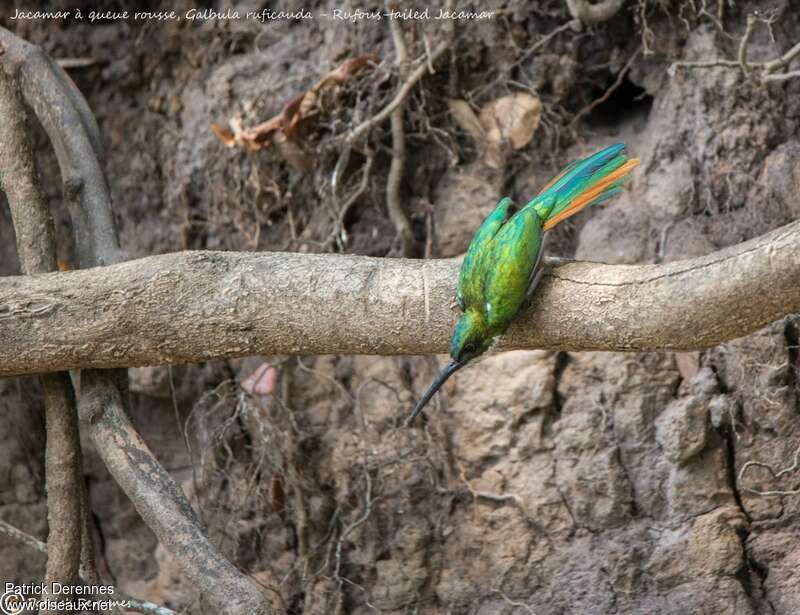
[760, 72]
[776, 474]
[511, 602]
[397, 166]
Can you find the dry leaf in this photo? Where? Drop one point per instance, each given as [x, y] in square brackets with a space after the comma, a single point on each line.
[286, 125]
[510, 123]
[351, 66]
[465, 117]
[223, 134]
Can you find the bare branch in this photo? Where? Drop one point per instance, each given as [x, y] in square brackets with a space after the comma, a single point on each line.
[765, 71]
[411, 80]
[394, 111]
[742, 55]
[782, 76]
[398, 163]
[73, 63]
[72, 129]
[192, 306]
[783, 60]
[33, 224]
[515, 603]
[160, 502]
[402, 94]
[134, 604]
[33, 227]
[64, 475]
[703, 64]
[339, 232]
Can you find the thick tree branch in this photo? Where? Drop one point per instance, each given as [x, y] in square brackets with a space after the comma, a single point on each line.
[134, 604]
[64, 475]
[33, 224]
[33, 227]
[160, 501]
[193, 306]
[71, 127]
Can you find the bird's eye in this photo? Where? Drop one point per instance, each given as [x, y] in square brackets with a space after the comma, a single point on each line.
[470, 348]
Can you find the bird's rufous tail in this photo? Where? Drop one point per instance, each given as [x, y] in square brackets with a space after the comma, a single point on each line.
[583, 183]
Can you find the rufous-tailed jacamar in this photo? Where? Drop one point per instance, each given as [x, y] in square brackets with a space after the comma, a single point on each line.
[503, 264]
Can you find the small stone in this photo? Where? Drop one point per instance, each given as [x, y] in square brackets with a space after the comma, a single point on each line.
[682, 429]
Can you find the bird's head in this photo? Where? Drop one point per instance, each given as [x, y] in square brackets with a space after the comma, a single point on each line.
[470, 340]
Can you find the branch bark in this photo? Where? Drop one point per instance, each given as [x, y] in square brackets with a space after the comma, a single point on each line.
[73, 131]
[71, 127]
[193, 306]
[160, 502]
[134, 604]
[35, 234]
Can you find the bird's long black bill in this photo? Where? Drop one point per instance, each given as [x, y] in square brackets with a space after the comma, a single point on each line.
[449, 369]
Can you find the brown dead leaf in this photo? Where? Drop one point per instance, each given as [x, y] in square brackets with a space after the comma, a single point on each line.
[223, 134]
[510, 123]
[465, 117]
[303, 107]
[298, 110]
[351, 67]
[258, 136]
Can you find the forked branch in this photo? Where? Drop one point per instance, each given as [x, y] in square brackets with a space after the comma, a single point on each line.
[33, 227]
[69, 123]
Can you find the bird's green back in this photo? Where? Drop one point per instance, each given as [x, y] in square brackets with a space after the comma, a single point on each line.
[499, 265]
[468, 282]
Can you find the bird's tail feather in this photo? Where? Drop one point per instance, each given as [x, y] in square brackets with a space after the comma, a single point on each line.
[583, 183]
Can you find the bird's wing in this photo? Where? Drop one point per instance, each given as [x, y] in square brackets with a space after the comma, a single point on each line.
[468, 288]
[510, 269]
[536, 272]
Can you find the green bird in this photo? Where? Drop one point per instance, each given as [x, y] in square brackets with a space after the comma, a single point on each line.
[504, 264]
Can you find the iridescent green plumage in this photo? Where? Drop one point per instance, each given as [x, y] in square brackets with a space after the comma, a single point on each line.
[504, 261]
